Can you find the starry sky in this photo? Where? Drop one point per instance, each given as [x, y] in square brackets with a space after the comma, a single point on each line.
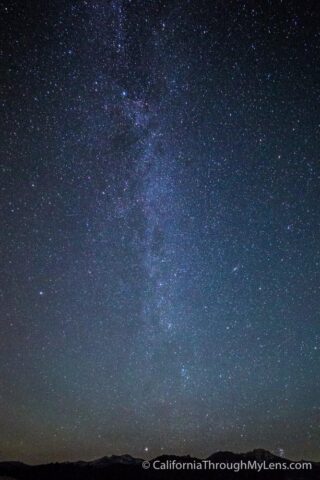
[159, 183]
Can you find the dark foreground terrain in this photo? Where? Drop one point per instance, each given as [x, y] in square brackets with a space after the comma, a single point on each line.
[127, 467]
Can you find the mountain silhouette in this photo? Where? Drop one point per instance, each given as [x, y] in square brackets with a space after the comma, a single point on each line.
[118, 467]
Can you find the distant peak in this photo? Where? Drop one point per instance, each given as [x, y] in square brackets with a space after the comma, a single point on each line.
[125, 459]
[261, 453]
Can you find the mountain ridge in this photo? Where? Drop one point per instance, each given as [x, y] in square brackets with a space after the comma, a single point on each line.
[129, 467]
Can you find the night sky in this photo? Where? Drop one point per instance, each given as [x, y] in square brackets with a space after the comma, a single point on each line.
[160, 242]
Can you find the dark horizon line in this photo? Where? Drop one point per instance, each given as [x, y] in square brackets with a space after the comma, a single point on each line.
[254, 452]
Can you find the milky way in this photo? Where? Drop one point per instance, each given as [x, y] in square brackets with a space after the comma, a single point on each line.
[159, 229]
